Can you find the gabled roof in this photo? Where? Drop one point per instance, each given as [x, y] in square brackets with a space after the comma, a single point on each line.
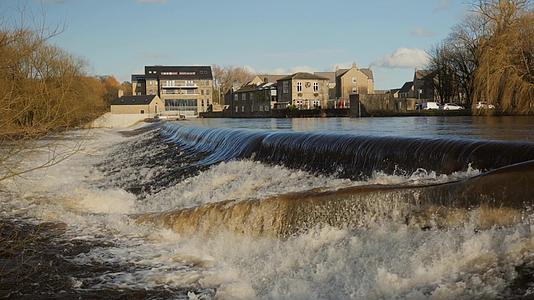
[254, 87]
[406, 87]
[134, 100]
[341, 72]
[330, 75]
[303, 75]
[420, 74]
[368, 72]
[271, 78]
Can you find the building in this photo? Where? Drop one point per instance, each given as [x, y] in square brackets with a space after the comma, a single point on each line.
[149, 105]
[407, 90]
[331, 83]
[353, 81]
[185, 90]
[303, 91]
[424, 83]
[254, 97]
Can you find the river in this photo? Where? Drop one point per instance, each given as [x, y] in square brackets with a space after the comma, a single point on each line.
[339, 208]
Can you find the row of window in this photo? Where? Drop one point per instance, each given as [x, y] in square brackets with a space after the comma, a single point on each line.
[260, 108]
[315, 86]
[285, 86]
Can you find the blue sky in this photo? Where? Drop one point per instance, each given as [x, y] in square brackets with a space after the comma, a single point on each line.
[120, 37]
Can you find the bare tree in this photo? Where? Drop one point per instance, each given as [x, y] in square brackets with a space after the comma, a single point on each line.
[43, 90]
[229, 76]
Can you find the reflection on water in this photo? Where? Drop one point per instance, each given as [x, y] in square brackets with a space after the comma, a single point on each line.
[494, 128]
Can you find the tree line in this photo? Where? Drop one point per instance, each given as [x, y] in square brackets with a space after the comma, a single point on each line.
[43, 90]
[489, 58]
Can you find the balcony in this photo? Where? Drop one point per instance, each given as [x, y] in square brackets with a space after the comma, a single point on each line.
[178, 85]
[180, 92]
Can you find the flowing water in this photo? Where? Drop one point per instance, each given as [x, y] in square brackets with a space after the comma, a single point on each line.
[378, 208]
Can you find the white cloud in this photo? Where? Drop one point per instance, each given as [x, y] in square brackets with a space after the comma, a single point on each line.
[421, 32]
[152, 1]
[443, 5]
[403, 58]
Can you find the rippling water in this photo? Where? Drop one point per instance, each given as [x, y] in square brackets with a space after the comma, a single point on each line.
[285, 208]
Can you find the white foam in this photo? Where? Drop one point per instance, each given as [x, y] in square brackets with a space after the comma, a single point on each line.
[382, 261]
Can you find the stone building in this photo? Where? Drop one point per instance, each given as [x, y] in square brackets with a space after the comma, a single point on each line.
[424, 83]
[331, 83]
[303, 91]
[254, 97]
[186, 90]
[149, 105]
[353, 81]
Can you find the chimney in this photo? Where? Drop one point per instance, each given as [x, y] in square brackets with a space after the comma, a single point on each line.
[120, 93]
[354, 65]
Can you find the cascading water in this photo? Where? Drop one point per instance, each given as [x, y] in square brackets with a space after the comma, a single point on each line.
[344, 155]
[245, 213]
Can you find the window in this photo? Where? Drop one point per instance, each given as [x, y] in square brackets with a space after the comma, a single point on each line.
[244, 96]
[142, 111]
[285, 87]
[316, 86]
[236, 97]
[242, 108]
[354, 90]
[236, 109]
[354, 80]
[261, 108]
[299, 86]
[202, 92]
[266, 107]
[251, 96]
[181, 104]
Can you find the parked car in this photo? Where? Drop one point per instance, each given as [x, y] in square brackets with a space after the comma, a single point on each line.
[429, 105]
[452, 106]
[485, 105]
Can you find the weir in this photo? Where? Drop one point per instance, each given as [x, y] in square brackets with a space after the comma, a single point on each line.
[346, 155]
[497, 198]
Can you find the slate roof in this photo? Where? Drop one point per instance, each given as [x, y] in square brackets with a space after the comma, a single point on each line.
[420, 74]
[368, 73]
[134, 100]
[303, 75]
[406, 87]
[270, 78]
[330, 75]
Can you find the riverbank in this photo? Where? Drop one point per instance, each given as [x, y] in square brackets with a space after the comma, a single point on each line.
[331, 113]
[36, 262]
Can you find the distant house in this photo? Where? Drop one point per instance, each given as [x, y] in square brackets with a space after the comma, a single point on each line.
[255, 96]
[424, 82]
[394, 93]
[303, 91]
[265, 78]
[353, 81]
[407, 90]
[331, 83]
[149, 105]
[185, 90]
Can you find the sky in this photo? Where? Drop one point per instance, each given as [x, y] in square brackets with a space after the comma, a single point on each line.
[120, 37]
